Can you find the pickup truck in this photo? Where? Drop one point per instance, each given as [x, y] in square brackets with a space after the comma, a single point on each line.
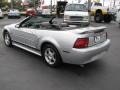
[102, 13]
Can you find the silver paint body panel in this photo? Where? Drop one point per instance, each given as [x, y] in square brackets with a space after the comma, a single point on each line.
[30, 39]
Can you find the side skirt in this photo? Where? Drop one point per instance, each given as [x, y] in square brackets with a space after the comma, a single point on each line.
[29, 49]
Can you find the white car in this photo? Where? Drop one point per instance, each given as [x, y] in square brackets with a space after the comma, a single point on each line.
[76, 14]
[1, 14]
[46, 9]
[14, 13]
[118, 17]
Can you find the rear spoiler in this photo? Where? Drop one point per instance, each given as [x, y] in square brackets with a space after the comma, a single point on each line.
[95, 30]
[89, 30]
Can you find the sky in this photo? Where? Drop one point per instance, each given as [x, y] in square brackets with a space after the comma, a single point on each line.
[106, 3]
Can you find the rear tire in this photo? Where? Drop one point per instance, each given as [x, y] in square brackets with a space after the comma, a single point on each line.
[7, 39]
[51, 55]
[107, 18]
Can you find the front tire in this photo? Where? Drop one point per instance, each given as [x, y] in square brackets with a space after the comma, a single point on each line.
[51, 55]
[98, 17]
[7, 39]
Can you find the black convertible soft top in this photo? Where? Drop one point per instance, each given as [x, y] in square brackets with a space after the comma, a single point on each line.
[49, 23]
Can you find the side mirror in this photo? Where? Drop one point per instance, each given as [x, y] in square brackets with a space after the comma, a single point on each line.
[17, 25]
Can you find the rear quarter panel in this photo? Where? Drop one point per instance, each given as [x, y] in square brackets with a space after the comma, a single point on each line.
[62, 40]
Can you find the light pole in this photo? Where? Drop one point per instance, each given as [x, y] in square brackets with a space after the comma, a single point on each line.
[89, 9]
[114, 3]
[34, 4]
[11, 3]
[51, 7]
[89, 4]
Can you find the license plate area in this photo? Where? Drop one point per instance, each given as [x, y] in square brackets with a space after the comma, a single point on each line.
[98, 38]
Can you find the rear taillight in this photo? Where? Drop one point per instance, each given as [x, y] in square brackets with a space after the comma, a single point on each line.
[81, 43]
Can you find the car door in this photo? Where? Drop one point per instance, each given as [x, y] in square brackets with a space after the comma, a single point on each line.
[30, 36]
[18, 34]
[25, 33]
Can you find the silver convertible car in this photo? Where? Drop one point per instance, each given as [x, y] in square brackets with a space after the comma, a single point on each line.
[57, 43]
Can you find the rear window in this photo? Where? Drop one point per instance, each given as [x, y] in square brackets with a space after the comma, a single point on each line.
[46, 7]
[98, 4]
[14, 10]
[76, 7]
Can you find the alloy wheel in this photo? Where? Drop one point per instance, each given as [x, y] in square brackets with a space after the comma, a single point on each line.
[50, 56]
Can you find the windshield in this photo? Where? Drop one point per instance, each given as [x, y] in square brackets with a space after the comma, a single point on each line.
[14, 10]
[98, 4]
[76, 7]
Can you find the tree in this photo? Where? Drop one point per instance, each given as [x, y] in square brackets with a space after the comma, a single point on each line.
[2, 3]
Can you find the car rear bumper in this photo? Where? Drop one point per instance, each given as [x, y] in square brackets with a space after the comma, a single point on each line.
[14, 16]
[86, 55]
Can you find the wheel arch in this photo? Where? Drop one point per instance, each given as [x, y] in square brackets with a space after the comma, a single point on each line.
[45, 43]
[5, 30]
[98, 11]
[49, 40]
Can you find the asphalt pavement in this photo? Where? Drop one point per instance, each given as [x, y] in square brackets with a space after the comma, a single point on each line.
[21, 70]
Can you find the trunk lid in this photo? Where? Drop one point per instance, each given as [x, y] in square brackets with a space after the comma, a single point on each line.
[96, 35]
